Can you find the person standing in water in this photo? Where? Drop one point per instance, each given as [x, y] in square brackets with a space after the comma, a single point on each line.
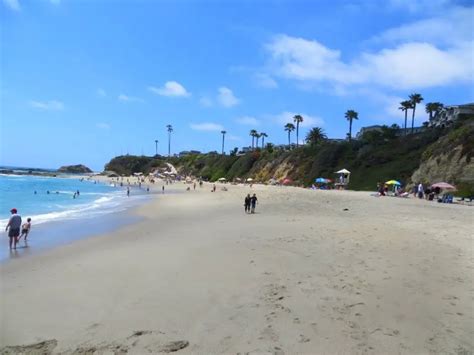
[128, 192]
[253, 202]
[247, 203]
[13, 227]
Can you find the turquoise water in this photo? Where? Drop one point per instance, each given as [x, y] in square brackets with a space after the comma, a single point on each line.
[18, 191]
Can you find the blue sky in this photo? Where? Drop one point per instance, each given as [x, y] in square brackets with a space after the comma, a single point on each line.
[83, 81]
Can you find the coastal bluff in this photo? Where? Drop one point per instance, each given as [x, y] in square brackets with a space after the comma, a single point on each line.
[74, 169]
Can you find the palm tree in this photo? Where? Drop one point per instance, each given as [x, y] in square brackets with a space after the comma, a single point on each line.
[289, 127]
[433, 108]
[223, 135]
[351, 115]
[405, 106]
[156, 147]
[263, 135]
[315, 136]
[415, 99]
[253, 134]
[298, 119]
[170, 129]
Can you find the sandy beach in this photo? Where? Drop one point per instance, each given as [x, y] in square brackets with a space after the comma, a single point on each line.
[312, 272]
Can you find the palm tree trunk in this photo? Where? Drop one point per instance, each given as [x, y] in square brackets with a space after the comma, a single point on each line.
[263, 140]
[350, 129]
[289, 140]
[223, 144]
[413, 119]
[297, 133]
[169, 144]
[256, 145]
[406, 116]
[252, 141]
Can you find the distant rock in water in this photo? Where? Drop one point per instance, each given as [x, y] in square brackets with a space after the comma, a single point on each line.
[75, 169]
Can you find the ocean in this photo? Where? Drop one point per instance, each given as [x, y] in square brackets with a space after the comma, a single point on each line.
[18, 191]
[58, 216]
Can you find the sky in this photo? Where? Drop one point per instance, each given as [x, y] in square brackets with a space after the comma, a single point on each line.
[83, 81]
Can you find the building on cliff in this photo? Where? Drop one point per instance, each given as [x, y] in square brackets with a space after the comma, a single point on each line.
[449, 114]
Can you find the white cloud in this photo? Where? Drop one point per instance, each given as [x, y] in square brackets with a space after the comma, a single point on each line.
[205, 101]
[287, 117]
[247, 120]
[226, 97]
[407, 66]
[125, 98]
[52, 105]
[266, 81]
[451, 26]
[170, 89]
[101, 93]
[12, 4]
[103, 125]
[206, 126]
[414, 6]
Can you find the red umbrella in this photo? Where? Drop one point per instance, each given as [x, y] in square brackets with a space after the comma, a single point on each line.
[286, 181]
[444, 186]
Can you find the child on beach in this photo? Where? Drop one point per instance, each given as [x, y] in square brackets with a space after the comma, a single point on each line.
[25, 229]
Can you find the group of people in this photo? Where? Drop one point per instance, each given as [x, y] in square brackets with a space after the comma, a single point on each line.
[250, 203]
[13, 227]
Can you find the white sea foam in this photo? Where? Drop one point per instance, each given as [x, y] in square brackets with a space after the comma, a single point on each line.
[113, 202]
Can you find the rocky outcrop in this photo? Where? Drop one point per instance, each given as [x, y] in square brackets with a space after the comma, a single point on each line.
[450, 159]
[451, 167]
[75, 169]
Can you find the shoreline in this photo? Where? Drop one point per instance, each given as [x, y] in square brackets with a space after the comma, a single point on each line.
[73, 226]
[311, 271]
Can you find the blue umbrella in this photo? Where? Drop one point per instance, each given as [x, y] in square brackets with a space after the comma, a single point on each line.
[321, 180]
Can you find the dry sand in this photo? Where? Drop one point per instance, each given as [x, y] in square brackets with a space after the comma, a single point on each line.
[303, 275]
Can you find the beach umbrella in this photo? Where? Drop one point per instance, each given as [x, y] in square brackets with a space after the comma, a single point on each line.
[320, 180]
[393, 182]
[343, 171]
[238, 179]
[328, 181]
[249, 180]
[286, 181]
[444, 186]
[222, 179]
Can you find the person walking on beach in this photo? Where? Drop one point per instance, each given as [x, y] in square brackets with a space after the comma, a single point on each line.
[247, 203]
[253, 202]
[25, 229]
[13, 227]
[128, 192]
[163, 189]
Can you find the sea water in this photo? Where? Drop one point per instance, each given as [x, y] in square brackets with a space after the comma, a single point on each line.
[58, 218]
[29, 195]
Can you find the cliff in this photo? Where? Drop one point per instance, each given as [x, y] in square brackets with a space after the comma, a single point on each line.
[450, 159]
[432, 156]
[74, 169]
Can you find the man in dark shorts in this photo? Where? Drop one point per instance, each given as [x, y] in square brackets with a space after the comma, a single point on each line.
[13, 227]
[253, 202]
[247, 203]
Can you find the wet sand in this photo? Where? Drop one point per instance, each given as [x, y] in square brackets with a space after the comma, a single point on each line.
[310, 272]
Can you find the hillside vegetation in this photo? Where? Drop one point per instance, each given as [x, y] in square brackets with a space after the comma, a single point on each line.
[378, 156]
